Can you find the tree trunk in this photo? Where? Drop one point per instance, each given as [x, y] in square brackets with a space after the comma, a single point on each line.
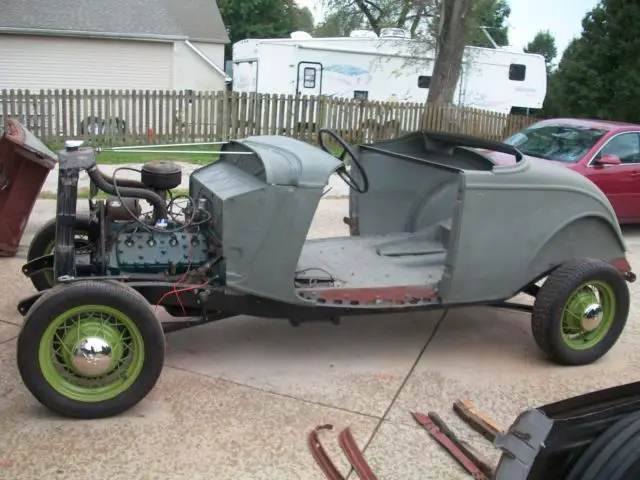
[450, 49]
[373, 20]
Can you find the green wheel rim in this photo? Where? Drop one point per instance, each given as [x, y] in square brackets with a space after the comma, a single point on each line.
[48, 273]
[588, 315]
[118, 370]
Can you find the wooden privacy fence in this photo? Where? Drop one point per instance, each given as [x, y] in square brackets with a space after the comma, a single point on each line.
[109, 117]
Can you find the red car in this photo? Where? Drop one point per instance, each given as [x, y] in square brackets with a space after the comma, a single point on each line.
[607, 153]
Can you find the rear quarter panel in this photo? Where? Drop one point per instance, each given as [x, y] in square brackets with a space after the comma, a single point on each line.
[515, 224]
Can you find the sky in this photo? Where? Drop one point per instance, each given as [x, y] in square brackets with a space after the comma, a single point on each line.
[563, 18]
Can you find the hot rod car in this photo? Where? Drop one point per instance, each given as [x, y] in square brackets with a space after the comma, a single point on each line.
[434, 223]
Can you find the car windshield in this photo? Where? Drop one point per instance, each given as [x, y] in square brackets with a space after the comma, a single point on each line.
[563, 143]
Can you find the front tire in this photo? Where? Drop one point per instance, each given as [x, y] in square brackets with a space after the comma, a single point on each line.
[90, 349]
[44, 242]
[580, 311]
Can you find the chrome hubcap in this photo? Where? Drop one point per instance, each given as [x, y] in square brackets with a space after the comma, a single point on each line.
[592, 316]
[92, 356]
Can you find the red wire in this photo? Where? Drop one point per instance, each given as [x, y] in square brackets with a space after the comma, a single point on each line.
[182, 290]
[184, 312]
[174, 290]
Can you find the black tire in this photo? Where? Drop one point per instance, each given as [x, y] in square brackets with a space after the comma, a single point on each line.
[91, 125]
[117, 126]
[614, 455]
[133, 310]
[549, 307]
[44, 240]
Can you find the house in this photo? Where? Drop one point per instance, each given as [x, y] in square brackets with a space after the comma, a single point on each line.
[119, 44]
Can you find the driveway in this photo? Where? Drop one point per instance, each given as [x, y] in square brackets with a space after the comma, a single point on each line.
[237, 398]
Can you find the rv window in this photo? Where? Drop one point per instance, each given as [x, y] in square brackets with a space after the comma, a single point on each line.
[424, 81]
[361, 95]
[517, 72]
[309, 77]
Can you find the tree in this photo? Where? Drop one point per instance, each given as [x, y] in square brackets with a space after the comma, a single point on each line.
[304, 19]
[413, 15]
[421, 17]
[493, 15]
[598, 73]
[340, 23]
[257, 19]
[451, 41]
[544, 44]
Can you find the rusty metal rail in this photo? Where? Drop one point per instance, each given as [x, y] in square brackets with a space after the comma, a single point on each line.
[353, 453]
[349, 448]
[471, 460]
[454, 450]
[320, 454]
[483, 464]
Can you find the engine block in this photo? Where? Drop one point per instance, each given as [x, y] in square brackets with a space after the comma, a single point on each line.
[147, 252]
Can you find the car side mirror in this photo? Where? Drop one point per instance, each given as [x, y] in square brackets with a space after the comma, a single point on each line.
[608, 159]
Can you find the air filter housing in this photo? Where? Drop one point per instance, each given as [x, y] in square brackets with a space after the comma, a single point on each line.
[161, 175]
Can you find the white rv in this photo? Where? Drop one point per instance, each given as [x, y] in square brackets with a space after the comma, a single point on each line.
[391, 67]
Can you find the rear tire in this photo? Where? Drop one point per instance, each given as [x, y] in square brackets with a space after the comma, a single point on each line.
[614, 455]
[90, 349]
[43, 243]
[580, 311]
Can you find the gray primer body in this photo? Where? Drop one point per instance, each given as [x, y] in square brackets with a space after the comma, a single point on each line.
[442, 216]
[263, 206]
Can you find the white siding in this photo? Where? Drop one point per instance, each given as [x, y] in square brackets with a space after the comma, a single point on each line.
[215, 51]
[191, 72]
[30, 62]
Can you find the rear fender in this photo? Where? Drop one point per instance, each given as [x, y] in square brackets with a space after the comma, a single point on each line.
[589, 235]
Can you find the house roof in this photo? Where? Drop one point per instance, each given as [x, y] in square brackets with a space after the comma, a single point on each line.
[198, 20]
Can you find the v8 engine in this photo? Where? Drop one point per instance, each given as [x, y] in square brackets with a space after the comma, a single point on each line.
[157, 252]
[170, 239]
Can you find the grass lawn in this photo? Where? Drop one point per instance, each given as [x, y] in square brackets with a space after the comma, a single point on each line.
[131, 156]
[115, 158]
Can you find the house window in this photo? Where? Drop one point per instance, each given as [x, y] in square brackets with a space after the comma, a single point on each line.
[361, 95]
[309, 77]
[424, 81]
[517, 72]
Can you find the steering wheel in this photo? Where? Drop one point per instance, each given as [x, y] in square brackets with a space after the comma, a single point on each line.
[342, 171]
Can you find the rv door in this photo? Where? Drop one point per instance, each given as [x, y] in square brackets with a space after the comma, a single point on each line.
[309, 83]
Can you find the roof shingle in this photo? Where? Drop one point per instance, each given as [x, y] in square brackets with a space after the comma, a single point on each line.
[195, 19]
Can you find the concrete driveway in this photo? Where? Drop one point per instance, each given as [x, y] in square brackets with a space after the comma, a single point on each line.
[238, 397]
